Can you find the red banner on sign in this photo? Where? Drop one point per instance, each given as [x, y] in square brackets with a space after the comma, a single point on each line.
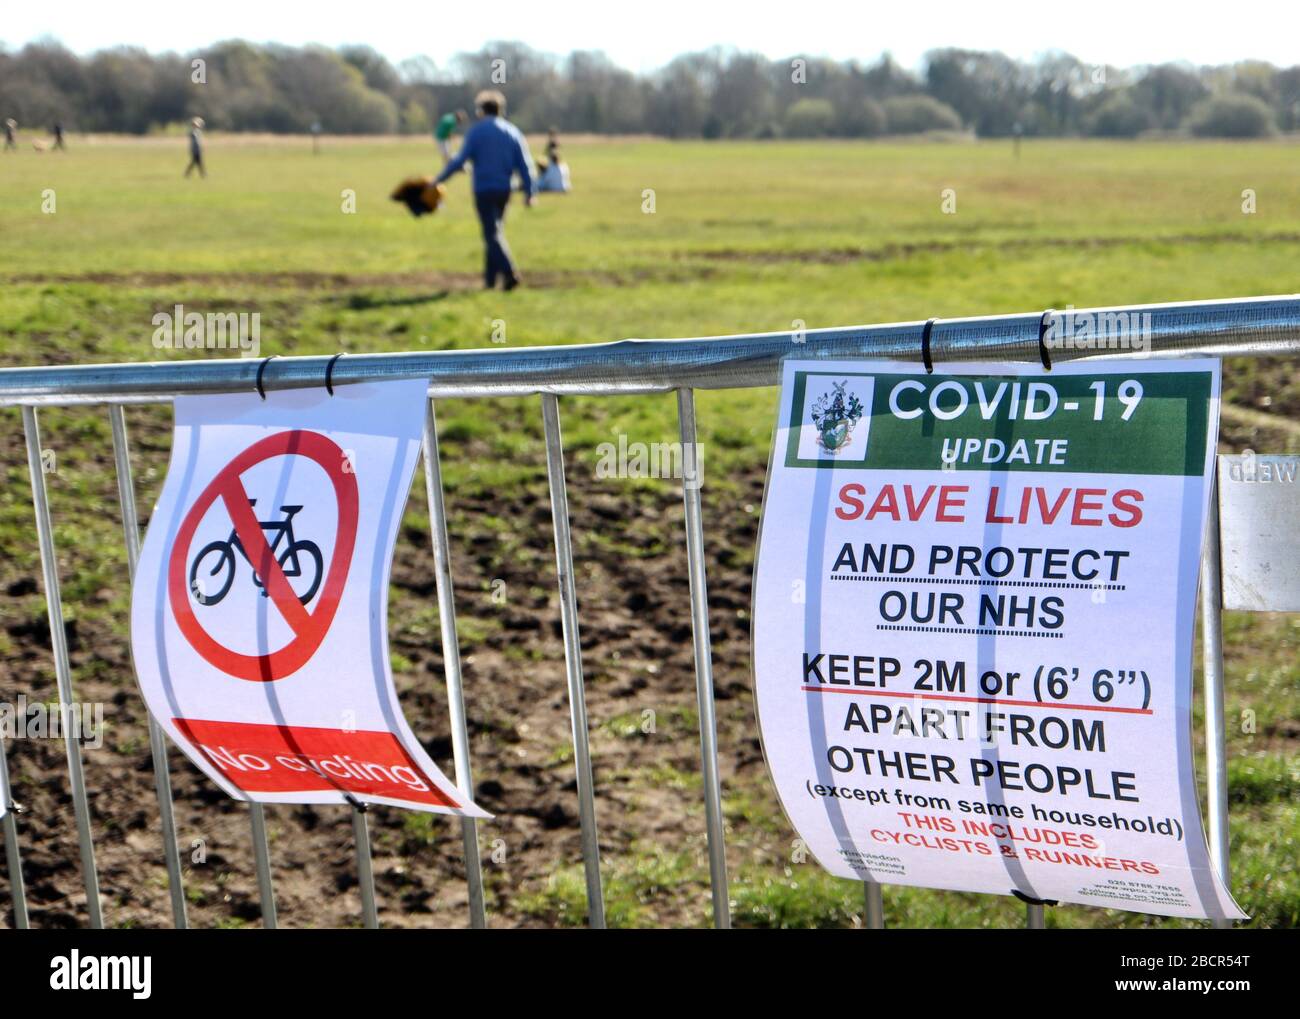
[285, 758]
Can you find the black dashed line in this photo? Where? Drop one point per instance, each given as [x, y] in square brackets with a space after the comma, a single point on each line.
[983, 582]
[981, 631]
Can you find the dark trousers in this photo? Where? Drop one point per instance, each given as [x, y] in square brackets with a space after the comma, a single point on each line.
[491, 207]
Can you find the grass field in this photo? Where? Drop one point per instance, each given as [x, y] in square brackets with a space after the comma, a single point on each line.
[743, 238]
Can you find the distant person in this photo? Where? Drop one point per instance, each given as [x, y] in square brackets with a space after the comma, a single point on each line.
[315, 137]
[58, 136]
[555, 174]
[498, 151]
[448, 124]
[11, 134]
[196, 148]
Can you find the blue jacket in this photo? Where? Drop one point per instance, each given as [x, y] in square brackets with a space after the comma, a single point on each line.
[498, 150]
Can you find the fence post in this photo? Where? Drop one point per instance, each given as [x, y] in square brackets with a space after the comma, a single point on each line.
[365, 867]
[875, 905]
[1216, 753]
[573, 659]
[692, 479]
[62, 668]
[157, 741]
[262, 857]
[13, 858]
[451, 661]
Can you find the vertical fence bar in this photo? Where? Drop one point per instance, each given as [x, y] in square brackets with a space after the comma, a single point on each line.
[365, 867]
[1035, 918]
[451, 662]
[13, 858]
[875, 916]
[157, 741]
[1216, 752]
[691, 482]
[62, 668]
[262, 857]
[573, 659]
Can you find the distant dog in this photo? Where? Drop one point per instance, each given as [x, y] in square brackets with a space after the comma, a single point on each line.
[419, 194]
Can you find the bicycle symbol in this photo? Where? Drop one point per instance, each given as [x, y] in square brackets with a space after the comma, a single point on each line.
[290, 560]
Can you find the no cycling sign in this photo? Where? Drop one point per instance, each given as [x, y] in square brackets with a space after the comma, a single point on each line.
[260, 605]
[190, 583]
[973, 611]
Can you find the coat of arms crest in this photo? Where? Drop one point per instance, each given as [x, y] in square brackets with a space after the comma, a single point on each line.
[836, 414]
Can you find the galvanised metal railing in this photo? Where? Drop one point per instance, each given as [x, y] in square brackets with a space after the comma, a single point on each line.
[1246, 327]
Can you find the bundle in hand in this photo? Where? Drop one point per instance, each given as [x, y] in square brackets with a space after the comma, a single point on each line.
[419, 194]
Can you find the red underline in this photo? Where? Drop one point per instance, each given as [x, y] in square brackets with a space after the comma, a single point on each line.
[980, 700]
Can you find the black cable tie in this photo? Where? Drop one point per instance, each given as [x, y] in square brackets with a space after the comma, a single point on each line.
[925, 345]
[261, 370]
[1042, 339]
[329, 372]
[1029, 900]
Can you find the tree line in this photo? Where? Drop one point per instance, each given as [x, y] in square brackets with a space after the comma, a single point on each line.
[718, 93]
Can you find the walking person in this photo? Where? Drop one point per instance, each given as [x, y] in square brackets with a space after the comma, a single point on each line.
[498, 151]
[448, 124]
[11, 134]
[58, 136]
[196, 148]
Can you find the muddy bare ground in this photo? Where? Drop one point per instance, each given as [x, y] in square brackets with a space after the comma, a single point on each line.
[637, 653]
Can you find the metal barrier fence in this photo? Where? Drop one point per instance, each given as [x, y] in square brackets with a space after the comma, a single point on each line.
[1246, 327]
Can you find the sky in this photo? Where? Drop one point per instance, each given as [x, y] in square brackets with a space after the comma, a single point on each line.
[645, 36]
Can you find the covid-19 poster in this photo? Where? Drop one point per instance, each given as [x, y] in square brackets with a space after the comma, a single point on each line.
[973, 622]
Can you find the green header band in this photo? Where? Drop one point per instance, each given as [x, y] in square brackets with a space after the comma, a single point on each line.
[1113, 423]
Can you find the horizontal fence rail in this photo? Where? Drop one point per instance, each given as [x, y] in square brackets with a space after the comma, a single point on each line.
[1253, 325]
[1250, 326]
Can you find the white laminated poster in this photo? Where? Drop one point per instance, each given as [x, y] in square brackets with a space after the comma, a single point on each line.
[259, 617]
[973, 621]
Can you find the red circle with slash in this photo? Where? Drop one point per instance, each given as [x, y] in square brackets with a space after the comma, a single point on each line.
[309, 628]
